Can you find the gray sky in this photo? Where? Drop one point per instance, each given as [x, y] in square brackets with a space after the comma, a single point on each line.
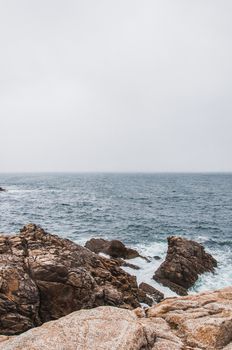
[120, 85]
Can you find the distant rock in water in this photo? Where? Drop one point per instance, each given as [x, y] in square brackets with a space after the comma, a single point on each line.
[44, 277]
[2, 189]
[114, 248]
[184, 262]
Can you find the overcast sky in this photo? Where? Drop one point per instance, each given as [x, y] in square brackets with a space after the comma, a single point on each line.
[122, 85]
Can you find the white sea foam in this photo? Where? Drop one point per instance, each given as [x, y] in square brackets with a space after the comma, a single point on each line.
[145, 274]
[147, 269]
[222, 276]
[207, 281]
[104, 255]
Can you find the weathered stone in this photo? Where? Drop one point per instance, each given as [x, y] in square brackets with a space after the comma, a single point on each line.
[44, 277]
[201, 321]
[114, 248]
[196, 322]
[155, 294]
[103, 328]
[97, 245]
[184, 262]
[126, 264]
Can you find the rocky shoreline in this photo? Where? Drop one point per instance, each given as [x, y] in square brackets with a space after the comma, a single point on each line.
[52, 288]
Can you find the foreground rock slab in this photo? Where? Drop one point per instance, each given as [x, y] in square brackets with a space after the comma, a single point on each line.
[104, 328]
[44, 277]
[202, 321]
[184, 262]
[198, 322]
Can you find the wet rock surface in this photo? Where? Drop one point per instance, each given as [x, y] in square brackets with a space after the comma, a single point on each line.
[44, 277]
[127, 264]
[114, 248]
[155, 294]
[197, 322]
[185, 261]
[2, 189]
[156, 257]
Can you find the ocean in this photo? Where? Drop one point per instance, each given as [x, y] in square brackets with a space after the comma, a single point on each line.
[141, 210]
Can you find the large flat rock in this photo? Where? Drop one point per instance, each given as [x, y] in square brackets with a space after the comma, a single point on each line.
[103, 328]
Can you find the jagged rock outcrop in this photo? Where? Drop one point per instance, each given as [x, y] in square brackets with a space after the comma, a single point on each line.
[114, 248]
[44, 277]
[184, 262]
[197, 322]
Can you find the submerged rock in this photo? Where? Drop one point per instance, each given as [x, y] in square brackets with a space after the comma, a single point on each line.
[197, 322]
[185, 261]
[44, 277]
[156, 257]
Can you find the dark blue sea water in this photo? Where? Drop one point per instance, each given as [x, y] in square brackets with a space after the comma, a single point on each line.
[142, 210]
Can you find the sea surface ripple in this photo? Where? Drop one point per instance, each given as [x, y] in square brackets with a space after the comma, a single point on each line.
[142, 210]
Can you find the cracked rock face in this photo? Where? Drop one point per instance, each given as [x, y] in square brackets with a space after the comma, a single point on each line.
[44, 277]
[197, 322]
[202, 321]
[184, 262]
[104, 328]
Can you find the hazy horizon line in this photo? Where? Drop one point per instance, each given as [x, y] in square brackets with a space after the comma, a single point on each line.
[115, 172]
